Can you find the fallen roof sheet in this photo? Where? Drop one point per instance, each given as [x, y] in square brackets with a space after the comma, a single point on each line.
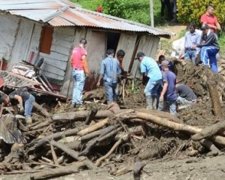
[64, 13]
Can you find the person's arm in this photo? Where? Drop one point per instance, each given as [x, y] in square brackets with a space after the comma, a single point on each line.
[210, 39]
[85, 65]
[19, 99]
[218, 27]
[212, 26]
[102, 70]
[199, 38]
[119, 69]
[165, 87]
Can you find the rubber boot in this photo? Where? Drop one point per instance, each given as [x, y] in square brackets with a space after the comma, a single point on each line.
[154, 102]
[149, 102]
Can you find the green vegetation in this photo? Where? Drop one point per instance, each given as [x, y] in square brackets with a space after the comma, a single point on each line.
[136, 10]
[191, 10]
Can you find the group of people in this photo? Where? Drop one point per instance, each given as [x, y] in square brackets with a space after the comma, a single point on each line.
[162, 91]
[203, 44]
[110, 69]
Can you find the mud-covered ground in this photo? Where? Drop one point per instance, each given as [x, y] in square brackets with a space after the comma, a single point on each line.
[167, 154]
[191, 168]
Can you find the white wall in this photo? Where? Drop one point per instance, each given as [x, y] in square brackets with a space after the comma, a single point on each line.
[8, 31]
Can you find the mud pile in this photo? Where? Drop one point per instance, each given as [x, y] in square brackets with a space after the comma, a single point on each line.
[67, 140]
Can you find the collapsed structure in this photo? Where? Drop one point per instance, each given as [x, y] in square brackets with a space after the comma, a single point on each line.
[35, 29]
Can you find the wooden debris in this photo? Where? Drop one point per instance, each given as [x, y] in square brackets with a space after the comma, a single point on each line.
[51, 173]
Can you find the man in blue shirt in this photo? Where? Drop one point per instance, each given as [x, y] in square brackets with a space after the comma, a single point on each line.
[150, 68]
[109, 72]
[192, 39]
[168, 94]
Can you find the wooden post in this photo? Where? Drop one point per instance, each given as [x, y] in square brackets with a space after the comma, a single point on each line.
[151, 13]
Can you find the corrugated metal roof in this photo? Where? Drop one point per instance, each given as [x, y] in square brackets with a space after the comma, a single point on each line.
[64, 13]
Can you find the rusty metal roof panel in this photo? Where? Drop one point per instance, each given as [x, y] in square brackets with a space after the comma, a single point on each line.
[64, 13]
[59, 21]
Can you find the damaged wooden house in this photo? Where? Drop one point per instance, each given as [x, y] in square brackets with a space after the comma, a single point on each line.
[48, 29]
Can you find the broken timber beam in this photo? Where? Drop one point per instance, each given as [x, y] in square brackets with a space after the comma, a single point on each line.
[41, 110]
[51, 173]
[209, 131]
[80, 115]
[176, 126]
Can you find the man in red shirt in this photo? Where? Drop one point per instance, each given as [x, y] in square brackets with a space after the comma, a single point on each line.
[80, 68]
[210, 19]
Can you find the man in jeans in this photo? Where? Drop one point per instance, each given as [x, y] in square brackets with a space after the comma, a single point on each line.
[80, 69]
[150, 68]
[209, 48]
[24, 97]
[186, 96]
[192, 39]
[109, 72]
[168, 94]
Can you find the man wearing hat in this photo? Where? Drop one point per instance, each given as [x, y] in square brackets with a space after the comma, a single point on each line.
[168, 93]
[209, 48]
[150, 68]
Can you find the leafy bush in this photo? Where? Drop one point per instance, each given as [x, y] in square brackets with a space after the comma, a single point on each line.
[191, 10]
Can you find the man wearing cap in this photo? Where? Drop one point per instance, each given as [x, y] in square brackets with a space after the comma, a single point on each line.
[150, 68]
[209, 48]
[109, 72]
[80, 68]
[168, 93]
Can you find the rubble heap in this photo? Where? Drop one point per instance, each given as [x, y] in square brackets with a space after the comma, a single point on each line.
[65, 140]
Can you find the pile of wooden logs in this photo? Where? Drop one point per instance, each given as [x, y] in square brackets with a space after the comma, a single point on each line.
[66, 143]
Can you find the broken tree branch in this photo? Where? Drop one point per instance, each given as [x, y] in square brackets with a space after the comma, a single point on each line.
[80, 115]
[67, 150]
[93, 127]
[176, 126]
[54, 157]
[41, 110]
[98, 162]
[50, 173]
[209, 131]
[37, 143]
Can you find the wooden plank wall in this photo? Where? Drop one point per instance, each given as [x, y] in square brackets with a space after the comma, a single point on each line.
[68, 83]
[96, 49]
[96, 45]
[149, 45]
[22, 42]
[55, 63]
[127, 43]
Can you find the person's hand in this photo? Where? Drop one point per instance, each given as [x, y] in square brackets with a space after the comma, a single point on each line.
[98, 84]
[20, 108]
[161, 98]
[87, 75]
